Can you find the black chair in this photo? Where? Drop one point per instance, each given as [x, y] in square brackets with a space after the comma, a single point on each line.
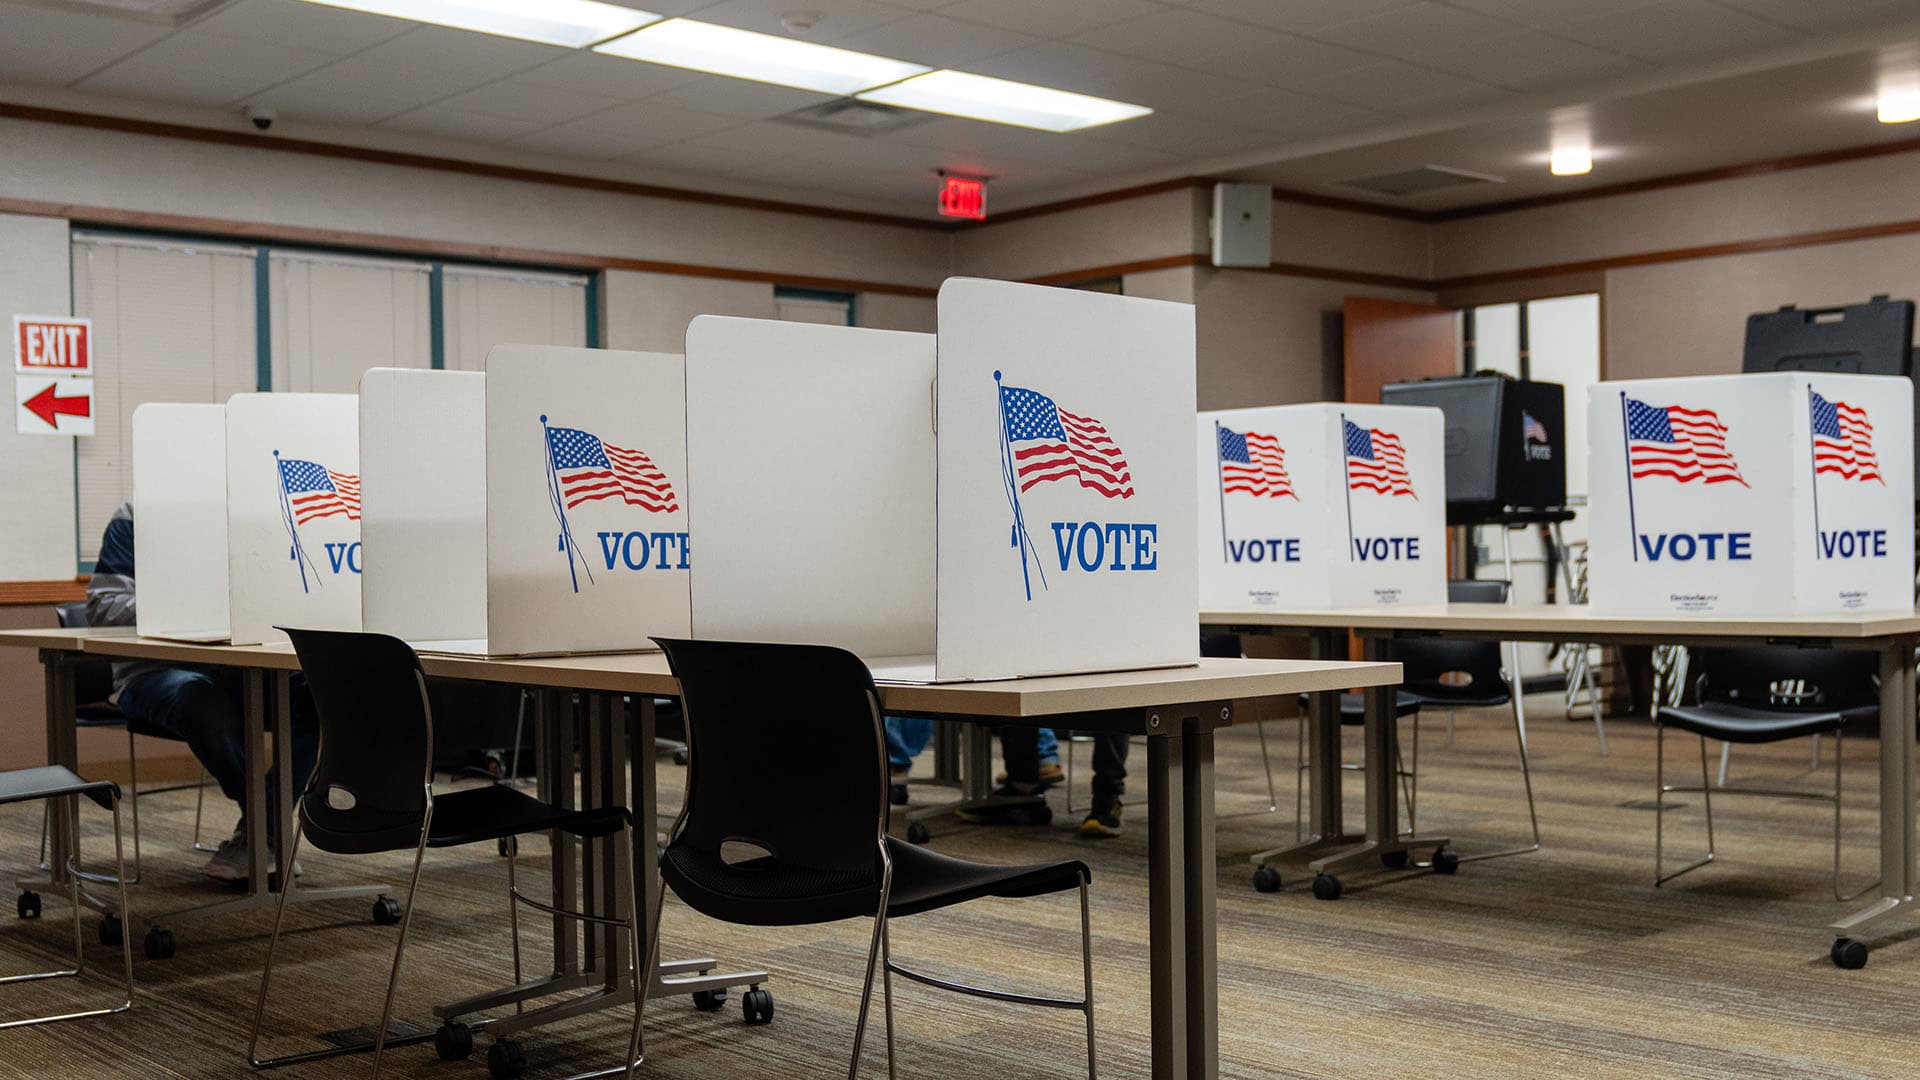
[1762, 694]
[372, 791]
[785, 821]
[48, 784]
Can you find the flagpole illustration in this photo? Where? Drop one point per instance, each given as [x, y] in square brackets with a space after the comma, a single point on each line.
[1346, 473]
[560, 511]
[1009, 476]
[297, 553]
[1626, 445]
[1813, 463]
[1220, 473]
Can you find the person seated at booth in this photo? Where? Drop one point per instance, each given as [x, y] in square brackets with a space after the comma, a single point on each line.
[907, 736]
[1021, 750]
[199, 705]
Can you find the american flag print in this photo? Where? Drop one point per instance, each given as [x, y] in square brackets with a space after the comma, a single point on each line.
[1532, 430]
[1686, 445]
[315, 491]
[1843, 441]
[589, 468]
[1376, 461]
[1253, 463]
[1050, 443]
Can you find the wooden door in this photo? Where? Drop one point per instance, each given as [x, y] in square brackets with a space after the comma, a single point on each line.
[1389, 341]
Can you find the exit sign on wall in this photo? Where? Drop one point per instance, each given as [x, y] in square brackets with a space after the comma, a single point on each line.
[963, 197]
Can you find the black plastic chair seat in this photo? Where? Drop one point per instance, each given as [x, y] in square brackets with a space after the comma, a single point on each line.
[1729, 722]
[99, 714]
[763, 892]
[51, 782]
[1464, 698]
[1353, 707]
[471, 816]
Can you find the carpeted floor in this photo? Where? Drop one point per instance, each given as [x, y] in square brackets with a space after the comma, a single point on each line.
[1564, 963]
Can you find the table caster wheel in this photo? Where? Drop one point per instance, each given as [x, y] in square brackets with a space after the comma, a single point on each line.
[1266, 879]
[454, 1041]
[709, 1000]
[897, 794]
[28, 905]
[1446, 861]
[1393, 860]
[1326, 887]
[681, 756]
[1849, 954]
[505, 1059]
[158, 944]
[111, 931]
[1038, 814]
[757, 1006]
[386, 911]
[917, 833]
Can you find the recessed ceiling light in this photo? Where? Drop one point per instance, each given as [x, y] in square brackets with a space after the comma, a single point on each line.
[744, 54]
[571, 23]
[1899, 106]
[1001, 101]
[1571, 161]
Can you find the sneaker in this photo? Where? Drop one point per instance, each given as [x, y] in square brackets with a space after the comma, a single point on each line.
[1103, 819]
[229, 863]
[1050, 774]
[1024, 812]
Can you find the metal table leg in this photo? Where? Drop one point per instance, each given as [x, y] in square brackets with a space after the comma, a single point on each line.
[1897, 710]
[1326, 829]
[1384, 839]
[63, 748]
[1183, 982]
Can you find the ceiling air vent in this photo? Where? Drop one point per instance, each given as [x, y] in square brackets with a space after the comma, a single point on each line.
[849, 116]
[1420, 181]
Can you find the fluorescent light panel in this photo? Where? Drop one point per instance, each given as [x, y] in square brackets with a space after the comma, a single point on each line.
[744, 54]
[1899, 106]
[570, 23]
[1001, 101]
[1570, 161]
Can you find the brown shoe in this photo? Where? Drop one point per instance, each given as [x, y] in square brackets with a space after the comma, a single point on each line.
[1050, 774]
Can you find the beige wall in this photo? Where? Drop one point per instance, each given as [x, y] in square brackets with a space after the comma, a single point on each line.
[650, 312]
[886, 311]
[1106, 234]
[36, 471]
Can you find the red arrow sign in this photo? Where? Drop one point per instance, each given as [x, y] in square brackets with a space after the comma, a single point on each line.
[48, 407]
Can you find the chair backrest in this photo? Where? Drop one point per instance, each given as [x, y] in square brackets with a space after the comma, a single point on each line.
[376, 738]
[1439, 667]
[785, 754]
[1783, 677]
[92, 679]
[1215, 643]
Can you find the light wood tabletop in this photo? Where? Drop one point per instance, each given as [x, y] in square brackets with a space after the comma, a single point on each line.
[1575, 621]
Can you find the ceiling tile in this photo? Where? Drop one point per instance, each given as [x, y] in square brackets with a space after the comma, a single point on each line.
[40, 45]
[586, 72]
[458, 124]
[1049, 19]
[204, 69]
[697, 159]
[1183, 133]
[1283, 112]
[936, 41]
[1413, 33]
[739, 97]
[655, 120]
[311, 26]
[1301, 16]
[837, 18]
[1680, 29]
[1545, 13]
[427, 64]
[1405, 90]
[331, 106]
[530, 101]
[574, 141]
[1530, 59]
[1827, 15]
[1205, 43]
[774, 140]
[1070, 66]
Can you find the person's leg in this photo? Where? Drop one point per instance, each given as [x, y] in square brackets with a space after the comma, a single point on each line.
[1109, 783]
[1020, 749]
[907, 736]
[1049, 746]
[191, 706]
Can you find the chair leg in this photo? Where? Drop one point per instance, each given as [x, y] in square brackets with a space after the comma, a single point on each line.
[1659, 801]
[1266, 765]
[886, 991]
[1706, 795]
[639, 948]
[400, 946]
[199, 808]
[1413, 781]
[866, 987]
[126, 910]
[266, 970]
[1086, 963]
[513, 912]
[643, 974]
[133, 798]
[1300, 775]
[1726, 758]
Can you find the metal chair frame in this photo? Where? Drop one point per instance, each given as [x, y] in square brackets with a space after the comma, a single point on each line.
[74, 877]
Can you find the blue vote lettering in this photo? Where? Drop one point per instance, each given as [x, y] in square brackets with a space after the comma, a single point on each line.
[1286, 549]
[347, 555]
[1386, 548]
[639, 550]
[1854, 544]
[1685, 547]
[1087, 545]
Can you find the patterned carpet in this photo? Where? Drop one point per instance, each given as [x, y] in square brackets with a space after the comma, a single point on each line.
[1564, 963]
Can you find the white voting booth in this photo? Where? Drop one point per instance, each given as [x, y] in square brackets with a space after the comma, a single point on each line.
[1322, 505]
[293, 514]
[1778, 493]
[1010, 497]
[180, 521]
[538, 509]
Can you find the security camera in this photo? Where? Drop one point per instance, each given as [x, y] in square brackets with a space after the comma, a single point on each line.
[262, 116]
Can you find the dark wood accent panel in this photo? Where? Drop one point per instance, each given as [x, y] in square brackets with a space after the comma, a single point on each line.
[254, 231]
[252, 141]
[1393, 341]
[37, 593]
[1322, 273]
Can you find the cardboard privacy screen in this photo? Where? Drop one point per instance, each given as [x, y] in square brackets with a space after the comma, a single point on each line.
[812, 447]
[423, 499]
[180, 521]
[1066, 482]
[293, 514]
[1787, 493]
[1323, 505]
[586, 500]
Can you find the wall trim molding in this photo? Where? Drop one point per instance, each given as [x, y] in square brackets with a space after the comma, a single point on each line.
[426, 248]
[36, 593]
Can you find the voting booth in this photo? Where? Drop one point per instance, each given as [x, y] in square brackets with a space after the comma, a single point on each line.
[293, 514]
[1760, 494]
[539, 508]
[1323, 505]
[1012, 496]
[180, 522]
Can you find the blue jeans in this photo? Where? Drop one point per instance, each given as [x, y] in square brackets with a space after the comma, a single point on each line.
[908, 735]
[202, 708]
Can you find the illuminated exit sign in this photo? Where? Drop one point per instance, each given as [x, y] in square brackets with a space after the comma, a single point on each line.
[963, 197]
